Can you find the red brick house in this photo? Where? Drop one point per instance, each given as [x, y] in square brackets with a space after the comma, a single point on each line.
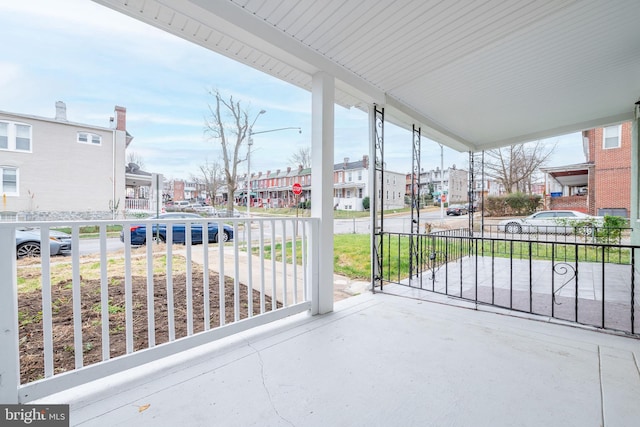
[600, 186]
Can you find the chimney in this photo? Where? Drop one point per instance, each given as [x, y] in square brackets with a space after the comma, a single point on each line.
[346, 160]
[288, 169]
[61, 111]
[121, 118]
[299, 168]
[365, 161]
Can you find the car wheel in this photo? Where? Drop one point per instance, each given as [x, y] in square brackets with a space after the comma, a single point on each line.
[513, 228]
[28, 249]
[225, 237]
[158, 239]
[587, 231]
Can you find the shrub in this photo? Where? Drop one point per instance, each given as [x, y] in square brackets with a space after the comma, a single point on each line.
[512, 204]
[365, 203]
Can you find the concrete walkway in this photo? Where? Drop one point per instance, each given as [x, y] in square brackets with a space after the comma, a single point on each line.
[344, 287]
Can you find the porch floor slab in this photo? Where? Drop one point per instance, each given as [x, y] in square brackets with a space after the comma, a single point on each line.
[380, 360]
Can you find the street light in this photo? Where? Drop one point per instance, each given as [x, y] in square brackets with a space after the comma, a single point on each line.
[251, 133]
[249, 143]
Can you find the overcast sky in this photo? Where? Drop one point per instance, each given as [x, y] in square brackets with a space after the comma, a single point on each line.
[93, 58]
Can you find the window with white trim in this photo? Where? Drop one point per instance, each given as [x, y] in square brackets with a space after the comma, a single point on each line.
[9, 181]
[89, 138]
[611, 137]
[15, 136]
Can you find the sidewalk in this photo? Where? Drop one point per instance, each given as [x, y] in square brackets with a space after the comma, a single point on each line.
[343, 287]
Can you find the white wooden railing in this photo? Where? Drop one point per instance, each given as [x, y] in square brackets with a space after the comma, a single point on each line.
[137, 205]
[266, 272]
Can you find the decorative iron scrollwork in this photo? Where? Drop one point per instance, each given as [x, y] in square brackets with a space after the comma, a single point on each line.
[563, 269]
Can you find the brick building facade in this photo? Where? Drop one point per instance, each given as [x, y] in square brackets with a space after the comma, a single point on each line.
[610, 183]
[601, 185]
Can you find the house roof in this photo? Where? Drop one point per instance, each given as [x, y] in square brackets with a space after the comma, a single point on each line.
[471, 75]
[349, 165]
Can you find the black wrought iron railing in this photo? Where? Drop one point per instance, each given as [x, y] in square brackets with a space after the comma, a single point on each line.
[586, 282]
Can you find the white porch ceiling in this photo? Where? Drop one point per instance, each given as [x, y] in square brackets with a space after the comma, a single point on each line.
[472, 74]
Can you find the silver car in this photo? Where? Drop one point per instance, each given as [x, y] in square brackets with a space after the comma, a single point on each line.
[28, 242]
[552, 222]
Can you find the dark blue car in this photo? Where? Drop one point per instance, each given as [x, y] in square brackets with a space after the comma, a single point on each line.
[139, 231]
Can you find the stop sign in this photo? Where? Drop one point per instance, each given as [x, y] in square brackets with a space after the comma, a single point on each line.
[297, 189]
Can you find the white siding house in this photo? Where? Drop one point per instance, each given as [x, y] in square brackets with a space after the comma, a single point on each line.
[53, 168]
[351, 186]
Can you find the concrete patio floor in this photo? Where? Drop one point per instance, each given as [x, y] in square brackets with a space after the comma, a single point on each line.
[380, 360]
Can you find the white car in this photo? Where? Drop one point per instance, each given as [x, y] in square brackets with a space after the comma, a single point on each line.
[223, 213]
[553, 222]
[209, 210]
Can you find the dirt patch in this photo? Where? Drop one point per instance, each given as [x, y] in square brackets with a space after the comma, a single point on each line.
[31, 330]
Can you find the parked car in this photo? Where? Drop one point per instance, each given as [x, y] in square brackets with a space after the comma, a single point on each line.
[223, 213]
[139, 231]
[181, 204]
[470, 207]
[209, 210]
[457, 210]
[28, 242]
[555, 222]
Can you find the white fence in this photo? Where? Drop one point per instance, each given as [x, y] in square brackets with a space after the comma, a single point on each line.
[110, 306]
[143, 205]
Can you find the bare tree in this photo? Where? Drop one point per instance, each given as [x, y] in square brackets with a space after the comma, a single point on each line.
[228, 123]
[515, 166]
[211, 175]
[301, 157]
[133, 157]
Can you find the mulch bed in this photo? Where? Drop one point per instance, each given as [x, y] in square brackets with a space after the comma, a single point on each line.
[30, 318]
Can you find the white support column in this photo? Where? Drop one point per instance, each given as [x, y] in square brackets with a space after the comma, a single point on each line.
[9, 356]
[634, 215]
[322, 140]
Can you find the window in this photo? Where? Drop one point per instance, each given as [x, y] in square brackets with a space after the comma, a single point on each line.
[9, 181]
[4, 135]
[15, 136]
[89, 138]
[349, 177]
[611, 137]
[359, 175]
[360, 193]
[348, 194]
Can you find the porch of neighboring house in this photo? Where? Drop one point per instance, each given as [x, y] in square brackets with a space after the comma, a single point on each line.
[139, 190]
[567, 187]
